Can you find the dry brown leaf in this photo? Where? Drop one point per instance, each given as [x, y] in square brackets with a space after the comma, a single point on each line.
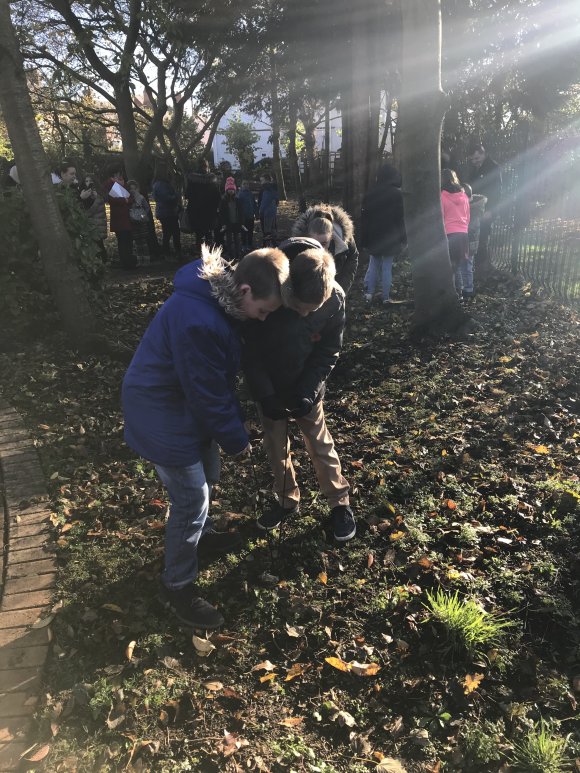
[451, 505]
[296, 670]
[370, 560]
[323, 577]
[203, 647]
[268, 677]
[213, 686]
[425, 563]
[265, 665]
[36, 753]
[471, 683]
[130, 648]
[291, 721]
[42, 622]
[364, 669]
[390, 765]
[338, 663]
[113, 608]
[539, 449]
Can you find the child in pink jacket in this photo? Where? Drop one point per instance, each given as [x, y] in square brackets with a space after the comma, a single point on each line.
[455, 207]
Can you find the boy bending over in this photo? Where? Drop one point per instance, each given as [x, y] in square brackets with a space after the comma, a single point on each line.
[286, 364]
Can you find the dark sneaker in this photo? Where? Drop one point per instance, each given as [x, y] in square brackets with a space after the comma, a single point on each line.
[220, 541]
[275, 515]
[343, 523]
[190, 608]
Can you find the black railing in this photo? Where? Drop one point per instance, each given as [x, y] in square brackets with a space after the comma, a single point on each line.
[544, 251]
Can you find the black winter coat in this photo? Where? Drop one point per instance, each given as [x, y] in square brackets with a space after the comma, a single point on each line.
[203, 199]
[292, 356]
[382, 220]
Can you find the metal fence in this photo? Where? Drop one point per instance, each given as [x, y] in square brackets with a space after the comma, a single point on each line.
[546, 252]
[537, 234]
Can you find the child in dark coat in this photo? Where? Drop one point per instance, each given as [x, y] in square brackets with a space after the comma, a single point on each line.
[383, 230]
[250, 213]
[286, 363]
[231, 219]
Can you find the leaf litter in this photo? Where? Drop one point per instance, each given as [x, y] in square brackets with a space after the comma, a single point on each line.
[464, 468]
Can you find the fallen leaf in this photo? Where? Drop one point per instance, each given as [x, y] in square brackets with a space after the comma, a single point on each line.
[231, 744]
[203, 647]
[425, 563]
[539, 449]
[471, 683]
[338, 663]
[267, 677]
[323, 577]
[364, 669]
[390, 765]
[35, 753]
[213, 686]
[370, 560]
[42, 622]
[265, 665]
[113, 608]
[129, 651]
[297, 669]
[294, 631]
[291, 721]
[344, 719]
[396, 535]
[451, 505]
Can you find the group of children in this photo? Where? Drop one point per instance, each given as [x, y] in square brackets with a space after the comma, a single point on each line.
[462, 212]
[238, 210]
[280, 314]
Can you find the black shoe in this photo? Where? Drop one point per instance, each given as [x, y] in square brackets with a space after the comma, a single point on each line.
[220, 541]
[275, 515]
[343, 523]
[190, 608]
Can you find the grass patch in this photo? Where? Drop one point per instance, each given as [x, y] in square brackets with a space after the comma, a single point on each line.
[540, 752]
[468, 627]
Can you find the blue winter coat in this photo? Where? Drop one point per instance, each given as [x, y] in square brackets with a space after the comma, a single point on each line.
[166, 199]
[178, 392]
[268, 200]
[248, 204]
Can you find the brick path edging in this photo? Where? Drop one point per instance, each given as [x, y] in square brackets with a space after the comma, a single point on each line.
[28, 577]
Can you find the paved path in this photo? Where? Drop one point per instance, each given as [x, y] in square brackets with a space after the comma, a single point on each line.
[28, 576]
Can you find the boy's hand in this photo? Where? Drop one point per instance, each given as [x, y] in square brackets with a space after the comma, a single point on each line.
[273, 408]
[301, 406]
[246, 452]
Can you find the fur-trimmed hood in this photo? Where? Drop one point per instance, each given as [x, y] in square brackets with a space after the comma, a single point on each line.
[220, 275]
[342, 224]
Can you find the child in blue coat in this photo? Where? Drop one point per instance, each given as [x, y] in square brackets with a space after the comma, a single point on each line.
[179, 403]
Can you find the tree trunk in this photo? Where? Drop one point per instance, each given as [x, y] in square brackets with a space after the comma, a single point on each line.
[276, 159]
[327, 149]
[56, 249]
[292, 154]
[127, 130]
[312, 175]
[437, 307]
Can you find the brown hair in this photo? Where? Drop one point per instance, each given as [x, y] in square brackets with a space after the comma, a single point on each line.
[312, 275]
[265, 270]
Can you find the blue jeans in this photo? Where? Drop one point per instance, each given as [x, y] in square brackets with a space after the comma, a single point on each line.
[382, 265]
[189, 490]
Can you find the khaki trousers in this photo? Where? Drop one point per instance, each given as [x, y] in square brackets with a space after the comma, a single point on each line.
[320, 447]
